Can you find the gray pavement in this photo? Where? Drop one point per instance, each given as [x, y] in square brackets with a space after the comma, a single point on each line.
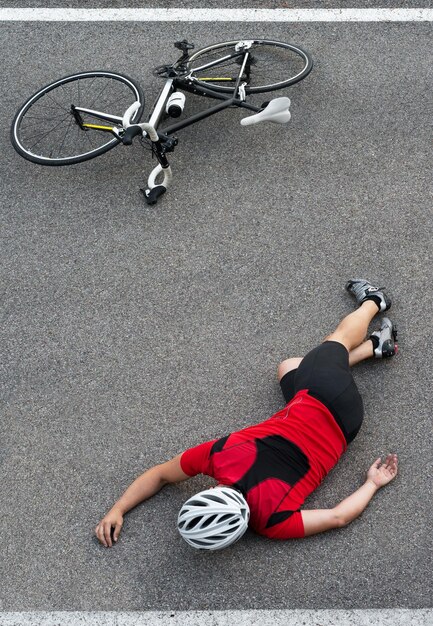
[131, 332]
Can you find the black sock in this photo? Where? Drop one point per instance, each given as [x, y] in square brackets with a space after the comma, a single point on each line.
[376, 300]
[375, 341]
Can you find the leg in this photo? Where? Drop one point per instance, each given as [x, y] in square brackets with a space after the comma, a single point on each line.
[382, 343]
[352, 330]
[325, 373]
[286, 377]
[286, 371]
[325, 370]
[360, 353]
[287, 366]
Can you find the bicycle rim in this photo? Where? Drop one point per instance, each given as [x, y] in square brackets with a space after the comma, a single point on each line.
[273, 65]
[45, 130]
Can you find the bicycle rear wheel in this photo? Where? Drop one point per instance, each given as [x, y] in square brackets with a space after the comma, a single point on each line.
[45, 130]
[272, 65]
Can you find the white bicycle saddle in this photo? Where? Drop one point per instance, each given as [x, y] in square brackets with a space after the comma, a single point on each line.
[276, 111]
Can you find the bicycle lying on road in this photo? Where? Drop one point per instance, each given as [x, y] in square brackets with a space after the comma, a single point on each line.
[68, 121]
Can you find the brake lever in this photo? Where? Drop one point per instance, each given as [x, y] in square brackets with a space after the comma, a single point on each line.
[130, 133]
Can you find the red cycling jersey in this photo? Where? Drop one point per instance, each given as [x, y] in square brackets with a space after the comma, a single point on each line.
[276, 464]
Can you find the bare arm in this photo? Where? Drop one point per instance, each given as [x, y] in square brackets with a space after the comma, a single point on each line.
[379, 475]
[149, 483]
[143, 487]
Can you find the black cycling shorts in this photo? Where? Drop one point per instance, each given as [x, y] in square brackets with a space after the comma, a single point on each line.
[326, 374]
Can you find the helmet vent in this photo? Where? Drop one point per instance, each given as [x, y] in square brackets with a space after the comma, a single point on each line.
[234, 496]
[228, 517]
[208, 521]
[192, 523]
[211, 496]
[197, 542]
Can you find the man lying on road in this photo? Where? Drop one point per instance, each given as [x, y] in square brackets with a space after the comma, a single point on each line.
[265, 472]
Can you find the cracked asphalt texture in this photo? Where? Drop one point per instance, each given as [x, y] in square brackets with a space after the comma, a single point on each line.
[132, 332]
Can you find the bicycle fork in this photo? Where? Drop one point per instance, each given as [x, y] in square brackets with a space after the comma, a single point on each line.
[161, 144]
[154, 189]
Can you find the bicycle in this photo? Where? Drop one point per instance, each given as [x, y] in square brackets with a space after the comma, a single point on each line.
[63, 123]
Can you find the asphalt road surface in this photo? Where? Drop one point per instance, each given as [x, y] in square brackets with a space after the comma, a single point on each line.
[132, 332]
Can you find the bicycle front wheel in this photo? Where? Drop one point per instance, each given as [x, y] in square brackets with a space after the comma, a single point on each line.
[46, 131]
[271, 65]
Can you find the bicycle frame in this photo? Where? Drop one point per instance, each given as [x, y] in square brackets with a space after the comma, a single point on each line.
[164, 143]
[184, 83]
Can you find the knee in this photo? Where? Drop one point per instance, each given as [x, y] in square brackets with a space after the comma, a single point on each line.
[287, 366]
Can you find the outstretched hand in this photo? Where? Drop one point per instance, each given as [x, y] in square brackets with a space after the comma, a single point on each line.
[382, 473]
[113, 519]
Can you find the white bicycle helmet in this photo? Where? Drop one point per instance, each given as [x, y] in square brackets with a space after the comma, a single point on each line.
[214, 518]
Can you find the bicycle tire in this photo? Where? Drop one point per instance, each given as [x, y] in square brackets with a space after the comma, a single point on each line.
[270, 46]
[51, 107]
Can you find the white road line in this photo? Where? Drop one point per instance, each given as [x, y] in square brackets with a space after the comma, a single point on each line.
[324, 617]
[216, 15]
